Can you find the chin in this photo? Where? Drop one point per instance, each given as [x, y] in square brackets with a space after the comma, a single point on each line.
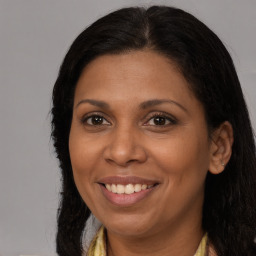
[128, 225]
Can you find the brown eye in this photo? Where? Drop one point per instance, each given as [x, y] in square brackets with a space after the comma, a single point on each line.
[159, 120]
[96, 120]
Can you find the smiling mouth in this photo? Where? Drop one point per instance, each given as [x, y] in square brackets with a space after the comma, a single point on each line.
[127, 189]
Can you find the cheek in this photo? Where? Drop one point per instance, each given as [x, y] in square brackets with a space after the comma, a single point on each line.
[184, 161]
[83, 160]
[183, 151]
[84, 157]
[83, 152]
[184, 165]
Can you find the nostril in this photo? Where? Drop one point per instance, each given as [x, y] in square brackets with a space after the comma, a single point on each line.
[125, 157]
[121, 161]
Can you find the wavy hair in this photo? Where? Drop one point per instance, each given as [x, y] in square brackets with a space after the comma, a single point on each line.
[229, 212]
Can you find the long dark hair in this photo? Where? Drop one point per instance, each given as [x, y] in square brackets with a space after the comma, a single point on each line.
[229, 213]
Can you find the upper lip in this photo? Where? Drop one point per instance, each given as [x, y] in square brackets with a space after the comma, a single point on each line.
[124, 180]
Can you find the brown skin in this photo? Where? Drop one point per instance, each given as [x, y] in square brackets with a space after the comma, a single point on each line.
[177, 154]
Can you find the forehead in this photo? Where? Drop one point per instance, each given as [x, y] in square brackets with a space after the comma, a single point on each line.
[137, 73]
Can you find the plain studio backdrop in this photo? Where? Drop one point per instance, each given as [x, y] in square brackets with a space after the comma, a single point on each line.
[35, 35]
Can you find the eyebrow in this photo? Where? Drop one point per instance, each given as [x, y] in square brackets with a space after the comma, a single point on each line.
[143, 105]
[97, 103]
[155, 102]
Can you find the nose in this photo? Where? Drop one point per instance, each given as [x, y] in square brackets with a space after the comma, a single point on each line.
[125, 147]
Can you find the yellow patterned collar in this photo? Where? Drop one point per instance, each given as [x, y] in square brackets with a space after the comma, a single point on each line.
[98, 245]
[201, 250]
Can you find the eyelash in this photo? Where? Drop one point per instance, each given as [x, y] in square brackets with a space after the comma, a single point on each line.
[166, 117]
[84, 119]
[163, 115]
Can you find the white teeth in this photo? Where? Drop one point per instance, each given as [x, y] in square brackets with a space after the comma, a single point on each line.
[113, 188]
[119, 189]
[144, 186]
[127, 189]
[137, 188]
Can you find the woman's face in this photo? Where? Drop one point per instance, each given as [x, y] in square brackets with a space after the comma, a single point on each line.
[139, 144]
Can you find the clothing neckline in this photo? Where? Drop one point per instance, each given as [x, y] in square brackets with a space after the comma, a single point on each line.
[98, 245]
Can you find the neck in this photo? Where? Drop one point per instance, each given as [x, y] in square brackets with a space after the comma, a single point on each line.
[175, 240]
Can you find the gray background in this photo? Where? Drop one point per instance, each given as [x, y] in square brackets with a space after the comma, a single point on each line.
[35, 35]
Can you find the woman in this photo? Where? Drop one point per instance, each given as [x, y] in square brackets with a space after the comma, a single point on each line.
[154, 139]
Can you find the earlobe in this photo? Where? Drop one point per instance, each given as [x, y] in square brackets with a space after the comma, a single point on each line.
[221, 148]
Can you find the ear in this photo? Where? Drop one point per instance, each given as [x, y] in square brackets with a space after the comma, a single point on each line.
[221, 147]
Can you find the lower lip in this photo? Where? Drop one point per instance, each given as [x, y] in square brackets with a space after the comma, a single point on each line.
[125, 200]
